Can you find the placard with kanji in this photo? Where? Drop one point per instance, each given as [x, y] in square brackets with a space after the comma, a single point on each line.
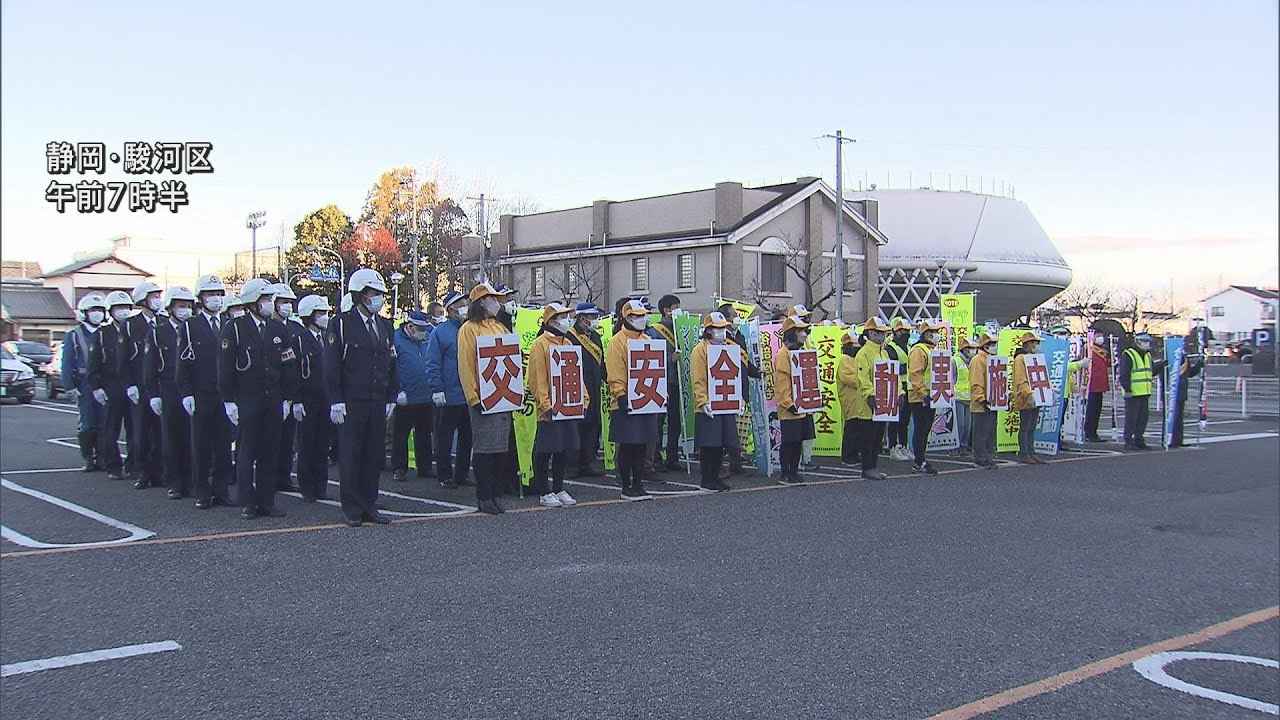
[568, 388]
[1038, 377]
[724, 379]
[998, 382]
[884, 378]
[500, 370]
[647, 376]
[942, 389]
[806, 392]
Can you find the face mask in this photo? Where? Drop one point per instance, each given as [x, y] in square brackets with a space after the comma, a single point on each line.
[182, 313]
[153, 304]
[1099, 341]
[235, 312]
[437, 319]
[322, 321]
[95, 317]
[802, 338]
[459, 312]
[562, 324]
[1144, 345]
[285, 309]
[717, 335]
[876, 337]
[213, 303]
[490, 306]
[510, 307]
[265, 308]
[375, 303]
[931, 337]
[638, 323]
[120, 314]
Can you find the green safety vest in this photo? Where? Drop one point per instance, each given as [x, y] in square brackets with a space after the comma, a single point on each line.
[1139, 374]
[962, 376]
[902, 365]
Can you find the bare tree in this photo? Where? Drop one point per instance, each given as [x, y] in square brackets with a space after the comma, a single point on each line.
[814, 275]
[583, 279]
[1087, 301]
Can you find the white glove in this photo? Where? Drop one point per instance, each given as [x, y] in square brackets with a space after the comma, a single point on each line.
[402, 399]
[233, 412]
[285, 407]
[706, 410]
[132, 392]
[438, 399]
[73, 395]
[391, 407]
[189, 404]
[299, 412]
[155, 405]
[100, 395]
[338, 413]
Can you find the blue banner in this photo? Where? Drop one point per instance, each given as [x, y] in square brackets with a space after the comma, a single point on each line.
[1173, 351]
[755, 392]
[1048, 434]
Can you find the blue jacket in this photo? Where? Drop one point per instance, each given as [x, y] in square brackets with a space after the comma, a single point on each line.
[76, 346]
[411, 361]
[442, 363]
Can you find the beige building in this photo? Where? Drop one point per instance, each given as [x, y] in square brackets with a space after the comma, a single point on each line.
[771, 245]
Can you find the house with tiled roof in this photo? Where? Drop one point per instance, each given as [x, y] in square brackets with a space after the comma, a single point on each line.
[1234, 312]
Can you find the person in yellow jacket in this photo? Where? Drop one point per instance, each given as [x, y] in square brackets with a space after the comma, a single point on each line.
[714, 435]
[960, 383]
[1024, 401]
[490, 433]
[984, 418]
[919, 379]
[556, 440]
[631, 432]
[896, 347]
[850, 447]
[796, 428]
[869, 432]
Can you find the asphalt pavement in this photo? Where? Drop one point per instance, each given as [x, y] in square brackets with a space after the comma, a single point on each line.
[838, 599]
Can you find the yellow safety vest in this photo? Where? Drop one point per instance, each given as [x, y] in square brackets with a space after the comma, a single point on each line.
[962, 376]
[1139, 373]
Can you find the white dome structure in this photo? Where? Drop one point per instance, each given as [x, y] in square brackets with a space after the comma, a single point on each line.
[943, 242]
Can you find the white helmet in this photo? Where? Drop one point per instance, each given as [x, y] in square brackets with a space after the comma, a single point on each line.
[345, 304]
[143, 289]
[255, 290]
[118, 297]
[90, 301]
[312, 303]
[366, 278]
[209, 283]
[283, 292]
[177, 292]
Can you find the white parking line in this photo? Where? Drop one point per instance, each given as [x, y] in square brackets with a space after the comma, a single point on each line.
[45, 470]
[37, 406]
[1230, 438]
[93, 656]
[1152, 667]
[457, 508]
[135, 532]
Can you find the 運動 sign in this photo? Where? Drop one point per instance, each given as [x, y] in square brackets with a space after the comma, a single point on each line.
[647, 376]
[724, 379]
[568, 388]
[806, 392]
[884, 376]
[500, 370]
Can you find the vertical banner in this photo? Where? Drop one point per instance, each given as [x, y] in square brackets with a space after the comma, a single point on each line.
[1050, 385]
[688, 329]
[1078, 382]
[770, 342]
[647, 376]
[1038, 377]
[806, 390]
[746, 420]
[724, 379]
[568, 387]
[957, 312]
[1174, 351]
[1007, 421]
[884, 376]
[526, 420]
[500, 367]
[759, 418]
[828, 423]
[606, 446]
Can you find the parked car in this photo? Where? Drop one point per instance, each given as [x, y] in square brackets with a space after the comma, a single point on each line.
[17, 379]
[53, 386]
[35, 355]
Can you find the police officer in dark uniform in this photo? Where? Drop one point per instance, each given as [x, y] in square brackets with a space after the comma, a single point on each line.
[107, 378]
[361, 375]
[311, 412]
[144, 435]
[284, 312]
[258, 380]
[161, 380]
[197, 379]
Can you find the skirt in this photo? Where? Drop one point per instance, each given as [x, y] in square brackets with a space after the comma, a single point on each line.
[717, 431]
[794, 431]
[556, 436]
[628, 429]
[490, 433]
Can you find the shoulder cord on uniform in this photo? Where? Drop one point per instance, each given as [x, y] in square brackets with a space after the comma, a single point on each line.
[189, 352]
[236, 329]
[155, 334]
[304, 359]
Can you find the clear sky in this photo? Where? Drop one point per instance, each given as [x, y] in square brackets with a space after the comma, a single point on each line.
[1143, 136]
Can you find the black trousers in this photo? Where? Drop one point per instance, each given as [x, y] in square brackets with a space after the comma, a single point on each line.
[870, 435]
[1136, 413]
[669, 425]
[114, 415]
[453, 420]
[360, 457]
[416, 418]
[922, 414]
[898, 434]
[486, 466]
[630, 460]
[851, 444]
[1175, 438]
[145, 442]
[284, 457]
[508, 476]
[258, 453]
[1092, 413]
[175, 439]
[789, 457]
[313, 449]
[549, 470]
[589, 437]
[984, 436]
[1027, 420]
[211, 449]
[709, 459]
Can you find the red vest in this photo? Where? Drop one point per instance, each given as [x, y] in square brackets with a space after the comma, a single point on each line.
[1099, 370]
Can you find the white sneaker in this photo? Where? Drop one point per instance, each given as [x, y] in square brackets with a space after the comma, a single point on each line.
[566, 499]
[550, 500]
[899, 453]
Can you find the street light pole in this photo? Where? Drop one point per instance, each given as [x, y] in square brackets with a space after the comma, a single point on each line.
[255, 220]
[342, 272]
[839, 264]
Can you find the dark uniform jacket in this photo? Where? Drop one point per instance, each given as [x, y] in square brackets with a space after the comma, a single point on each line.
[161, 373]
[360, 367]
[256, 366]
[106, 358]
[198, 357]
[312, 388]
[139, 338]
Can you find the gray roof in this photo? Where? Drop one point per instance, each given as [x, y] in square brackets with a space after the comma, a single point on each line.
[1257, 291]
[91, 260]
[23, 302]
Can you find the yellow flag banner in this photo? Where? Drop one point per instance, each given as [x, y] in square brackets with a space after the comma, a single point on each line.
[957, 312]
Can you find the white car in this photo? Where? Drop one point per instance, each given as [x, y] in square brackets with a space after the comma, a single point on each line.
[17, 379]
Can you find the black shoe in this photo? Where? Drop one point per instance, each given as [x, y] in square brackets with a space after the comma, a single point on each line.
[398, 476]
[175, 494]
[287, 487]
[378, 519]
[249, 513]
[488, 507]
[466, 482]
[90, 466]
[354, 522]
[673, 466]
[321, 496]
[114, 476]
[874, 474]
[271, 512]
[1143, 446]
[141, 484]
[925, 468]
[448, 485]
[204, 504]
[723, 486]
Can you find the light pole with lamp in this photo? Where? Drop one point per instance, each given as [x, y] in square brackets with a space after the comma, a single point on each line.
[342, 274]
[396, 279]
[255, 220]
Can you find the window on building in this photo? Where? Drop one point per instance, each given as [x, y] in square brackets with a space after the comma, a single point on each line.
[640, 274]
[572, 274]
[1269, 312]
[773, 273]
[536, 281]
[1217, 311]
[684, 271]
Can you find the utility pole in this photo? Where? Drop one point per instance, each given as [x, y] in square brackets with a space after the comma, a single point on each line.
[482, 229]
[253, 222]
[838, 270]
